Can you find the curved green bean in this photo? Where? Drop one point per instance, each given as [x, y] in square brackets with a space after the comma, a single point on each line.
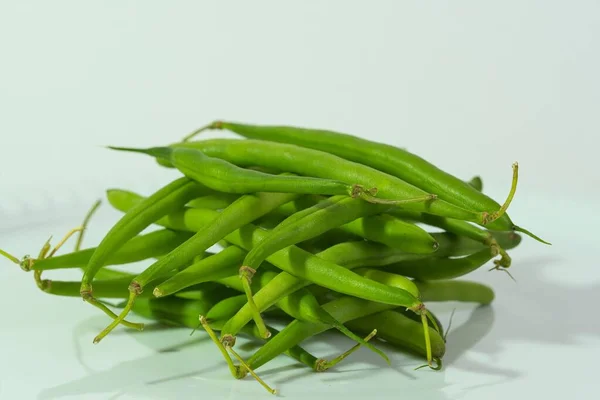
[319, 164]
[390, 159]
[226, 177]
[427, 269]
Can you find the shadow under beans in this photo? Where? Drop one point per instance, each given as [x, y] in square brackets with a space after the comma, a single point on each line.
[536, 309]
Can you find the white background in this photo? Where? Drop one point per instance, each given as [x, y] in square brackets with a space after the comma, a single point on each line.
[472, 86]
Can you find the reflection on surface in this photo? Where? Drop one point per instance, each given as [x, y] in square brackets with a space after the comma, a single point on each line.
[537, 310]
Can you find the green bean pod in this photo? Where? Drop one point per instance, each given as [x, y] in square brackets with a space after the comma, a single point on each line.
[389, 159]
[456, 290]
[381, 228]
[319, 164]
[224, 176]
[427, 269]
[216, 201]
[139, 248]
[220, 265]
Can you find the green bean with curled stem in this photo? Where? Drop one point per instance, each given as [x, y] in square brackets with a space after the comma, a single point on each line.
[406, 166]
[226, 177]
[139, 248]
[427, 269]
[323, 165]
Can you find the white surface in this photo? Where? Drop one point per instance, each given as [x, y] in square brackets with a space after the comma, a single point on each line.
[472, 86]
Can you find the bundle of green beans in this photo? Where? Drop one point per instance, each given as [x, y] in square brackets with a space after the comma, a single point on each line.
[339, 225]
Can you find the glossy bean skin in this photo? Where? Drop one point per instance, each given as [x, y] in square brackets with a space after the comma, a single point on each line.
[310, 223]
[217, 201]
[314, 269]
[390, 159]
[428, 269]
[456, 290]
[223, 310]
[319, 164]
[139, 248]
[381, 228]
[166, 200]
[223, 264]
[223, 176]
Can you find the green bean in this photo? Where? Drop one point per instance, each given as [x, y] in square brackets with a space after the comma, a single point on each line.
[427, 269]
[137, 249]
[223, 176]
[164, 201]
[216, 201]
[390, 279]
[455, 290]
[301, 226]
[244, 210]
[115, 288]
[319, 164]
[396, 162]
[222, 311]
[382, 228]
[389, 159]
[220, 265]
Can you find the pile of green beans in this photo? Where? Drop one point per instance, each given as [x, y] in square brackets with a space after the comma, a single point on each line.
[313, 230]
